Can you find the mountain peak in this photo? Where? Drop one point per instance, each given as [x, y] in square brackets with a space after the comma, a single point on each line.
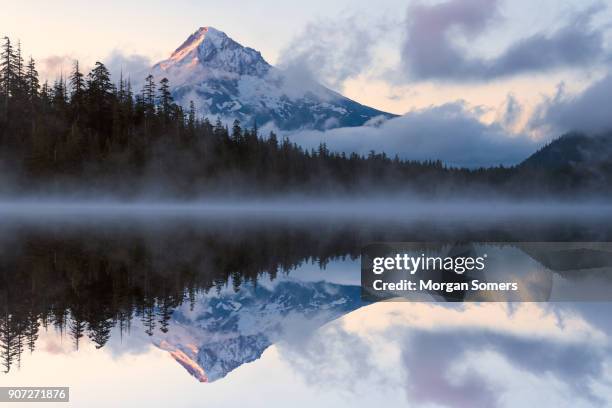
[226, 79]
[210, 48]
[195, 40]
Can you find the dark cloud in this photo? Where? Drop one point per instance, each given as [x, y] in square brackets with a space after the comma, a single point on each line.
[429, 51]
[587, 111]
[451, 133]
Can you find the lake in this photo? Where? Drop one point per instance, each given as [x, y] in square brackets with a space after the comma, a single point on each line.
[240, 304]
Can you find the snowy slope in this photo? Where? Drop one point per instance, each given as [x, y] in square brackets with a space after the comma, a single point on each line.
[226, 79]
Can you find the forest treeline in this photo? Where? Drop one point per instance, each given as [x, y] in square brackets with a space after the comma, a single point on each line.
[85, 131]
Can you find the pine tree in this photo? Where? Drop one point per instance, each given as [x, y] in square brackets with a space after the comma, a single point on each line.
[148, 317]
[191, 118]
[19, 65]
[129, 100]
[99, 95]
[7, 70]
[17, 83]
[165, 314]
[148, 95]
[165, 98]
[98, 81]
[32, 83]
[99, 331]
[273, 141]
[236, 131]
[8, 341]
[77, 91]
[32, 330]
[45, 94]
[59, 98]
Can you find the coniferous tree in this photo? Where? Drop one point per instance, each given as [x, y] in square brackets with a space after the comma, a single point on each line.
[236, 131]
[8, 75]
[191, 117]
[165, 99]
[9, 340]
[77, 329]
[99, 102]
[44, 92]
[77, 92]
[59, 98]
[148, 93]
[19, 61]
[32, 82]
[31, 331]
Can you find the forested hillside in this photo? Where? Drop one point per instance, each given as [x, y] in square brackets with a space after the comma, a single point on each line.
[86, 133]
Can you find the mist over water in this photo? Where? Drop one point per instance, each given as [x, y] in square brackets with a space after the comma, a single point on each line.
[401, 209]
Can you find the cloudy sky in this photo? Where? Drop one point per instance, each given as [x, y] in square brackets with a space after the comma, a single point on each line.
[517, 70]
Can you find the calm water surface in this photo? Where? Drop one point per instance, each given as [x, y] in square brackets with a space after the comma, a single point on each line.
[253, 308]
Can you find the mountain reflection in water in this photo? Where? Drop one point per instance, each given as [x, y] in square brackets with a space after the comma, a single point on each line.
[213, 294]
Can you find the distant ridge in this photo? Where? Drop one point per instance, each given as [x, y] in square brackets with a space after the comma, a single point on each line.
[574, 163]
[572, 149]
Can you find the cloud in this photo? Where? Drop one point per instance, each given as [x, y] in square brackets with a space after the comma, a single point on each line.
[511, 112]
[587, 111]
[452, 133]
[429, 52]
[332, 50]
[133, 66]
[54, 66]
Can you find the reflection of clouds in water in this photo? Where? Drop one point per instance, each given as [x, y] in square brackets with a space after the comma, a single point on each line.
[52, 343]
[484, 370]
[336, 359]
[476, 355]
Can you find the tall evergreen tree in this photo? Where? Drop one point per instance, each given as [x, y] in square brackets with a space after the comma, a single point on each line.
[148, 94]
[98, 81]
[32, 82]
[77, 91]
[165, 98]
[60, 96]
[19, 65]
[45, 94]
[236, 131]
[99, 94]
[8, 75]
[191, 118]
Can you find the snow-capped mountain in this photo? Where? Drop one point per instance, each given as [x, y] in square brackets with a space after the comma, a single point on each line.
[225, 330]
[226, 79]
